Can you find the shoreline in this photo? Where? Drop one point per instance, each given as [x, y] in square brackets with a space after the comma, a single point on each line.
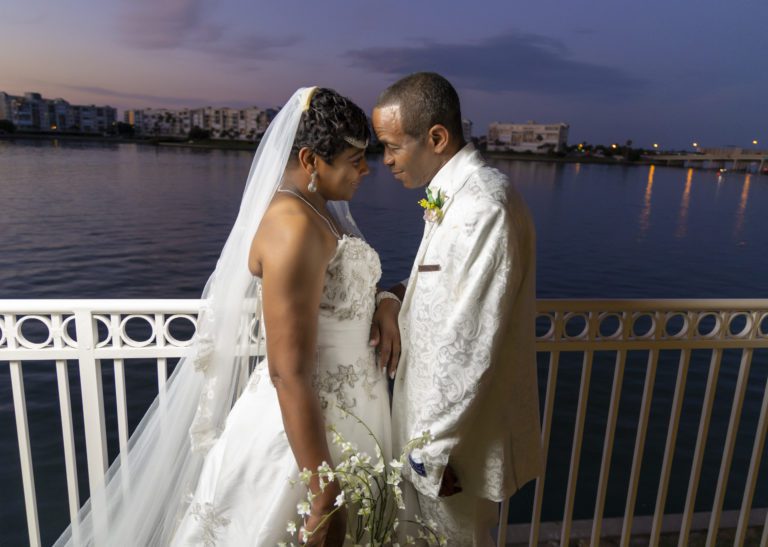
[240, 146]
[251, 147]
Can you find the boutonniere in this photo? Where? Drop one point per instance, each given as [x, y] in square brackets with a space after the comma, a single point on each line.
[433, 205]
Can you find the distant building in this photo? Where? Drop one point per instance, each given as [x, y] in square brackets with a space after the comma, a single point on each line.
[247, 124]
[527, 137]
[31, 112]
[466, 129]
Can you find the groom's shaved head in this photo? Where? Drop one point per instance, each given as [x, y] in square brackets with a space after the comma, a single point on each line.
[425, 99]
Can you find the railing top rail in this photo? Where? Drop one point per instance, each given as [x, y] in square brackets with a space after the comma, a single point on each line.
[99, 306]
[647, 305]
[128, 305]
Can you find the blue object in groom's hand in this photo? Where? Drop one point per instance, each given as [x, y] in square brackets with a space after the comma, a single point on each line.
[417, 465]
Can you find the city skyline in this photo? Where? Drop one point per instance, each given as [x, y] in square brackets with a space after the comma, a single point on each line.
[656, 72]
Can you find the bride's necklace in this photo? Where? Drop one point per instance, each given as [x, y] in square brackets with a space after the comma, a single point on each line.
[321, 215]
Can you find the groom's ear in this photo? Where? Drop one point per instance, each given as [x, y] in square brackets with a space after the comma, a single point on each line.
[438, 138]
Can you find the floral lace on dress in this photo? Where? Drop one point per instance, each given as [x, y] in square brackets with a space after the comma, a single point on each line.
[350, 284]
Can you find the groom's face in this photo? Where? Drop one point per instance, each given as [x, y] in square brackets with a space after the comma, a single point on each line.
[410, 159]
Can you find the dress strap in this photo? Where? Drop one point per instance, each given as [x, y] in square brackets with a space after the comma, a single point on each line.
[333, 229]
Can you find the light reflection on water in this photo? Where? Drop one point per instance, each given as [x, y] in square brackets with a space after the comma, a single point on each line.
[126, 221]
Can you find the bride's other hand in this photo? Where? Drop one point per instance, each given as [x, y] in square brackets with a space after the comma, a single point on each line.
[330, 533]
[385, 335]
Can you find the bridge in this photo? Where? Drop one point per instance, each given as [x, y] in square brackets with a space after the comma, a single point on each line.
[716, 159]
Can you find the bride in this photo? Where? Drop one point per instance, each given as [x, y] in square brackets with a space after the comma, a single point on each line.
[200, 471]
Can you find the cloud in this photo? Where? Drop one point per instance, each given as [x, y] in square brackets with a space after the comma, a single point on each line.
[166, 24]
[172, 24]
[510, 62]
[142, 97]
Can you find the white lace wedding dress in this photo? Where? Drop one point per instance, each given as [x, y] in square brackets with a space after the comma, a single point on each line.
[244, 495]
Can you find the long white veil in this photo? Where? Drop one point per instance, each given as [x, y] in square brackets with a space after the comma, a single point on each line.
[146, 489]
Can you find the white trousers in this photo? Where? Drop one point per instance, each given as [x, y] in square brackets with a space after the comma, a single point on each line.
[464, 520]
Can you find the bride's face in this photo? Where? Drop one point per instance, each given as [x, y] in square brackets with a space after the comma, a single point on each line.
[340, 179]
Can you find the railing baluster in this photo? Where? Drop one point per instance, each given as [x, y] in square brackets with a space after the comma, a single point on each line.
[68, 436]
[121, 400]
[610, 430]
[25, 452]
[578, 435]
[754, 469]
[67, 425]
[701, 441]
[546, 429]
[121, 404]
[730, 442]
[501, 537]
[669, 447]
[637, 458]
[22, 431]
[162, 364]
[764, 538]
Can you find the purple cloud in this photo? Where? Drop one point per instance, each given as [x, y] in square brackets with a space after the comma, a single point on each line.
[510, 62]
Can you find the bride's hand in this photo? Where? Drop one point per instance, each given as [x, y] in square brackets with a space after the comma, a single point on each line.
[328, 533]
[385, 335]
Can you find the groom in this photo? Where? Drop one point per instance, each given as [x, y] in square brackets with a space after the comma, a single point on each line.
[467, 371]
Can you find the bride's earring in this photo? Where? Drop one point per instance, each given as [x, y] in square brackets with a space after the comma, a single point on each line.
[312, 186]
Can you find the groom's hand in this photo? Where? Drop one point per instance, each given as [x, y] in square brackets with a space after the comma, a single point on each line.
[450, 484]
[385, 335]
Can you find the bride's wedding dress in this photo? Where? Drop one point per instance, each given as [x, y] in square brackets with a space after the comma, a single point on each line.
[245, 495]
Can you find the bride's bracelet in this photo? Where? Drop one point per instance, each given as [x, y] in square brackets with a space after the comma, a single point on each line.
[384, 295]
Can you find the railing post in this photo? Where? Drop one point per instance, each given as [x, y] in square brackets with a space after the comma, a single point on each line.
[93, 410]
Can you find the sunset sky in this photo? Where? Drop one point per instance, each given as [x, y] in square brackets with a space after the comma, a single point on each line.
[654, 71]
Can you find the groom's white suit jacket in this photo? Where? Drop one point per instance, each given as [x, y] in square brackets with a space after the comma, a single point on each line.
[467, 371]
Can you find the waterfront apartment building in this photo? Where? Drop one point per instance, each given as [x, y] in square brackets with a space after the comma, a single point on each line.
[31, 112]
[247, 124]
[537, 138]
[466, 129]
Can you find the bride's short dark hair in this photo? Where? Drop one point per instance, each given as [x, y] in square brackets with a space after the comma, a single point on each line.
[329, 119]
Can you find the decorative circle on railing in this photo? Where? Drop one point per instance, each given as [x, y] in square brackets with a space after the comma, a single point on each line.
[29, 344]
[172, 339]
[676, 324]
[3, 337]
[104, 320]
[740, 325]
[575, 326]
[610, 326]
[643, 325]
[71, 340]
[66, 338]
[137, 343]
[762, 326]
[708, 325]
[545, 326]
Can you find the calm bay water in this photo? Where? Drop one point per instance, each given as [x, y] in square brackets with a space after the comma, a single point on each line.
[128, 221]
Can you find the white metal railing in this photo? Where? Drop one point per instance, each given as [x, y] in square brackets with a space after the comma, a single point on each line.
[69, 330]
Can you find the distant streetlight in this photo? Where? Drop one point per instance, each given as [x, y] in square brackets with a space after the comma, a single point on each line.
[614, 146]
[656, 146]
[754, 141]
[695, 145]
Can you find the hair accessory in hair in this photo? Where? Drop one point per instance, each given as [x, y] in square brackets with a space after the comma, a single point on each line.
[357, 143]
[310, 94]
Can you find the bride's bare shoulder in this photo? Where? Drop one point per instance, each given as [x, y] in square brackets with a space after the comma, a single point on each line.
[287, 234]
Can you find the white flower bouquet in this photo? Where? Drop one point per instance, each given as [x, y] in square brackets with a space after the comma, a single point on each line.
[370, 491]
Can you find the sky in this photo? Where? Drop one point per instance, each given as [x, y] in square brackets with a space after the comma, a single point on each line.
[665, 71]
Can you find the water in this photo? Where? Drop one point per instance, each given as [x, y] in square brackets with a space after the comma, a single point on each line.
[127, 221]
